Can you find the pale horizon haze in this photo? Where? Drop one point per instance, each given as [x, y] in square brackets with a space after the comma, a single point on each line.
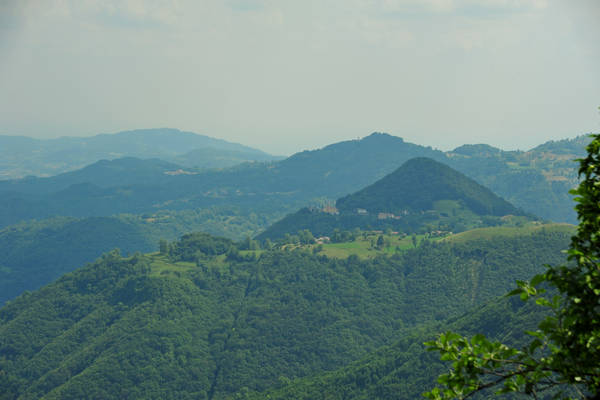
[285, 76]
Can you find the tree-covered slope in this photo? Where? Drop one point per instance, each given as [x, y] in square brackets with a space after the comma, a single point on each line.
[537, 180]
[196, 323]
[34, 253]
[404, 370]
[344, 167]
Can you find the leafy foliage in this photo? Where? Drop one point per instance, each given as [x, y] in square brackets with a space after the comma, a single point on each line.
[195, 245]
[565, 349]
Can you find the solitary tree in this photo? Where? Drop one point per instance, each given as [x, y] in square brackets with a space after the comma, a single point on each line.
[380, 242]
[563, 357]
[163, 246]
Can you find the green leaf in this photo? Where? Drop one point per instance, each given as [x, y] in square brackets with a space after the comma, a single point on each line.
[543, 302]
[514, 292]
[536, 280]
[534, 345]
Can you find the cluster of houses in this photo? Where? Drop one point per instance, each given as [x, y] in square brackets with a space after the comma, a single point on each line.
[330, 210]
[440, 233]
[361, 211]
[432, 234]
[382, 215]
[180, 172]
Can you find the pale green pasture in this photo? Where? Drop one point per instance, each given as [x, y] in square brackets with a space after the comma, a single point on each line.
[508, 231]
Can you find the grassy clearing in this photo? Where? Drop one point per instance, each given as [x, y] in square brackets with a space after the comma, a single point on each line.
[366, 246]
[507, 231]
[257, 253]
[160, 265]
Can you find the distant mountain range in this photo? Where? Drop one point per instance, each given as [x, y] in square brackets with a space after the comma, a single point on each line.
[536, 181]
[22, 156]
[422, 195]
[104, 173]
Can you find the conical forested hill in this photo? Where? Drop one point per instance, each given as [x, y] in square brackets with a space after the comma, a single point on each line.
[422, 196]
[418, 184]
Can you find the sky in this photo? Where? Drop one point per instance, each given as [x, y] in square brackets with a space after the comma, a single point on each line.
[286, 76]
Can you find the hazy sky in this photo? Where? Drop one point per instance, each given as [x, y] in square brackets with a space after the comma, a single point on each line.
[285, 76]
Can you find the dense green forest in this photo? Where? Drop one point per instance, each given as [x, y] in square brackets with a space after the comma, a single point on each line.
[205, 318]
[404, 370]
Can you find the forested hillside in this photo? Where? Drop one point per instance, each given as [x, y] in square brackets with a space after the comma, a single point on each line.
[36, 253]
[164, 200]
[204, 319]
[404, 370]
[537, 180]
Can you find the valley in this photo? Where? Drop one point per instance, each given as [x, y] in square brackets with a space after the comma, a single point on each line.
[251, 281]
[287, 200]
